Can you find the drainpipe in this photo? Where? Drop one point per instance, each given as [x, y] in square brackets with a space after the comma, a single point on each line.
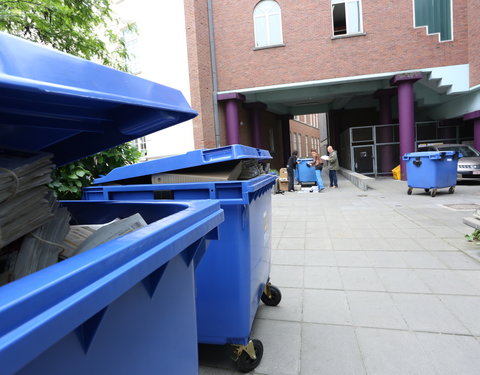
[214, 74]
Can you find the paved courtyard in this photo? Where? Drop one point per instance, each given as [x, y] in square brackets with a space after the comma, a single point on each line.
[374, 282]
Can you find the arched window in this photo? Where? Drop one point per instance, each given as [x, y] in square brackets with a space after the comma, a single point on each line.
[267, 20]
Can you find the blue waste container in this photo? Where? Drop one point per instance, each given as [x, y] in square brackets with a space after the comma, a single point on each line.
[124, 307]
[304, 172]
[127, 306]
[234, 274]
[431, 170]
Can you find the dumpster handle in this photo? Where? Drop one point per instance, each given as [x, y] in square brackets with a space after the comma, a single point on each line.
[417, 162]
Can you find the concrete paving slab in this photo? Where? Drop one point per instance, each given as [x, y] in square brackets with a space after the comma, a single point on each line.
[362, 279]
[352, 259]
[385, 259]
[421, 259]
[322, 278]
[330, 350]
[318, 243]
[466, 310]
[393, 352]
[287, 276]
[294, 243]
[458, 261]
[424, 312]
[281, 346]
[452, 354]
[374, 310]
[288, 257]
[448, 282]
[402, 280]
[289, 309]
[326, 306]
[320, 258]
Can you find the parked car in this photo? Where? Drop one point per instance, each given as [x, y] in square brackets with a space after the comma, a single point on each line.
[468, 165]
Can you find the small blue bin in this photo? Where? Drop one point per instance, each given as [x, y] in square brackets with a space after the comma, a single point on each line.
[232, 277]
[304, 172]
[432, 170]
[127, 306]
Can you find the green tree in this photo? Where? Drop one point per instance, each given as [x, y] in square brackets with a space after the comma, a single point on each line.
[88, 29]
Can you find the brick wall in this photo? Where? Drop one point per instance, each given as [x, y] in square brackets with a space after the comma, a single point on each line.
[391, 43]
[297, 127]
[474, 41]
[200, 70]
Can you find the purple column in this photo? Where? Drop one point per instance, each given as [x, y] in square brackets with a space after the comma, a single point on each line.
[475, 116]
[406, 114]
[231, 116]
[385, 133]
[256, 109]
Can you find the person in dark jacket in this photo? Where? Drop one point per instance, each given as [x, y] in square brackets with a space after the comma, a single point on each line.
[291, 166]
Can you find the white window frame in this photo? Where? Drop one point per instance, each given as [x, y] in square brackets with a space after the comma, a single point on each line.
[426, 27]
[360, 10]
[269, 43]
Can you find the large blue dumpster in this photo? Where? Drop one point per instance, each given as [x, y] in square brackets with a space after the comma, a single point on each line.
[124, 307]
[127, 306]
[234, 274]
[304, 172]
[431, 170]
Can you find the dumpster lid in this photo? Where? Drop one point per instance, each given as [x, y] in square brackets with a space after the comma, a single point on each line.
[72, 107]
[431, 154]
[196, 158]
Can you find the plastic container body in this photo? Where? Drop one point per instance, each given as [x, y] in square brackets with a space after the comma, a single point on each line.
[304, 172]
[431, 169]
[233, 273]
[124, 307]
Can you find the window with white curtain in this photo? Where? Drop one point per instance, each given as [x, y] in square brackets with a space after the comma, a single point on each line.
[267, 20]
[299, 143]
[347, 17]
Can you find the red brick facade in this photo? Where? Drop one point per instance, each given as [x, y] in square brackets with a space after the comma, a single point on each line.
[200, 66]
[391, 43]
[474, 41]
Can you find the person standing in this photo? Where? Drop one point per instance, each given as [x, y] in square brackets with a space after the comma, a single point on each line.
[291, 167]
[333, 166]
[317, 163]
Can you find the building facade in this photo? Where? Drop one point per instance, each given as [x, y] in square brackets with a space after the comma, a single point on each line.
[365, 64]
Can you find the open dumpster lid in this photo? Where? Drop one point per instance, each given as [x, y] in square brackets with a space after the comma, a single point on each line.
[196, 158]
[54, 102]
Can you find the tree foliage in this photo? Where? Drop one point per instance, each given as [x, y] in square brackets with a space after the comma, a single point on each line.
[84, 28]
[69, 179]
[88, 29]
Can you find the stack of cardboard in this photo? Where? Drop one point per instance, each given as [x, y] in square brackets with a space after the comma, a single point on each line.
[23, 203]
[283, 179]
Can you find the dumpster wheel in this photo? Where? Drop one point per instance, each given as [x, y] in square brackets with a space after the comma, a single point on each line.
[248, 356]
[409, 191]
[451, 190]
[271, 296]
[433, 192]
[427, 190]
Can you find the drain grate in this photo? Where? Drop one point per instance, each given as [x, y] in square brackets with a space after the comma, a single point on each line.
[462, 207]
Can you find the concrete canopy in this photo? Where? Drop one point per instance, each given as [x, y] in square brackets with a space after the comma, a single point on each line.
[443, 92]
